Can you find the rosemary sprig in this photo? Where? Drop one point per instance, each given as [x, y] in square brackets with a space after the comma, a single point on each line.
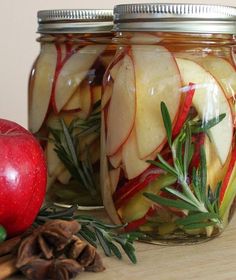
[195, 197]
[67, 141]
[96, 232]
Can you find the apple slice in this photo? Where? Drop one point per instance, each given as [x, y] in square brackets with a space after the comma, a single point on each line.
[230, 174]
[144, 38]
[222, 71]
[210, 101]
[106, 95]
[106, 58]
[42, 86]
[184, 109]
[75, 102]
[106, 190]
[132, 164]
[54, 164]
[96, 93]
[116, 159]
[73, 72]
[122, 107]
[115, 68]
[157, 79]
[86, 100]
[64, 177]
[138, 205]
[215, 171]
[228, 189]
[114, 178]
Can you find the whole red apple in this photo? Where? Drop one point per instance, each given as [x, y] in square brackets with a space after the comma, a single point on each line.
[22, 177]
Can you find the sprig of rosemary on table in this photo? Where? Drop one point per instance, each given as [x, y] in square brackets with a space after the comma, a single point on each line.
[95, 231]
[66, 142]
[196, 197]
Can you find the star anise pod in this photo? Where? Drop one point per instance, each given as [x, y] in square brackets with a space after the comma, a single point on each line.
[86, 255]
[46, 241]
[53, 251]
[55, 269]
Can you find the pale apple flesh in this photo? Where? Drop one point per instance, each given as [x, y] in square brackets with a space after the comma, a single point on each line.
[157, 80]
[41, 86]
[193, 91]
[122, 107]
[66, 84]
[210, 101]
[73, 73]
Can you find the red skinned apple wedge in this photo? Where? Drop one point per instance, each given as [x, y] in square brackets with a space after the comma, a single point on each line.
[134, 186]
[157, 80]
[210, 101]
[42, 86]
[72, 73]
[184, 109]
[22, 177]
[221, 69]
[122, 107]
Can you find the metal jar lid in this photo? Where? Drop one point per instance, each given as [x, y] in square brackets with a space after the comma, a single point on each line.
[75, 21]
[191, 18]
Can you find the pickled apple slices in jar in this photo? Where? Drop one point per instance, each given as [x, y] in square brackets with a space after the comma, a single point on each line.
[64, 113]
[168, 147]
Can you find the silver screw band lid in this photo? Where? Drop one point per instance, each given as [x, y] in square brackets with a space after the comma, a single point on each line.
[75, 21]
[191, 18]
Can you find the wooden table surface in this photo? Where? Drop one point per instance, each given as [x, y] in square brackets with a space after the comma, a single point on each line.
[215, 259]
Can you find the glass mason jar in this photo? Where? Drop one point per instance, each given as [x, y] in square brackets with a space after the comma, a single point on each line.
[168, 121]
[65, 100]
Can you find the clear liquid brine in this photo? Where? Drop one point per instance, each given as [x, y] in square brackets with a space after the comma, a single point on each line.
[168, 137]
[64, 113]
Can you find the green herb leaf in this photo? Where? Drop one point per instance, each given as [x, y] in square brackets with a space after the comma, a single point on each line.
[179, 204]
[167, 122]
[95, 231]
[204, 126]
[196, 218]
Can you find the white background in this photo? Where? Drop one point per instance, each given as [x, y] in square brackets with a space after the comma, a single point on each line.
[18, 24]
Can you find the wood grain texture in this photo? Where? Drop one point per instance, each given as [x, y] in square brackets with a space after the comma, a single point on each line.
[214, 259]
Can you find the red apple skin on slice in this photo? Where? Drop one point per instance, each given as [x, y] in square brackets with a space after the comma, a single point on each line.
[157, 80]
[122, 107]
[72, 73]
[133, 166]
[42, 86]
[184, 109]
[231, 172]
[221, 69]
[210, 101]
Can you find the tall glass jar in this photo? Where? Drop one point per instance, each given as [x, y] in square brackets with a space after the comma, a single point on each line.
[65, 100]
[168, 145]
